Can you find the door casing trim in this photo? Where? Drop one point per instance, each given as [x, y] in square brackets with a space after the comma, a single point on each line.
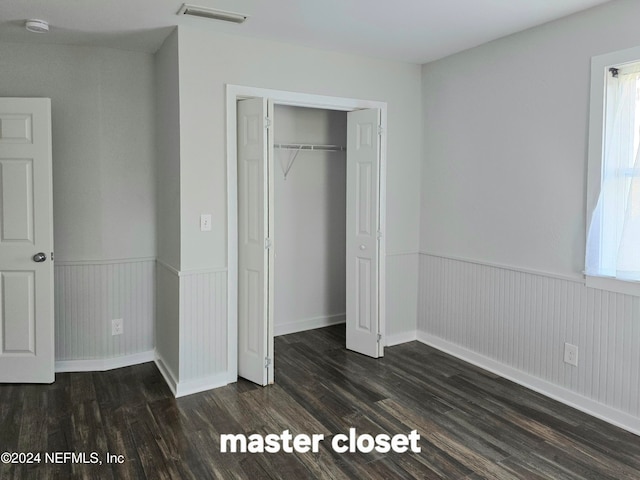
[297, 99]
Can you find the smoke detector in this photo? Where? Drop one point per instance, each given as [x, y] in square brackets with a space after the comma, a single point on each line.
[211, 13]
[37, 26]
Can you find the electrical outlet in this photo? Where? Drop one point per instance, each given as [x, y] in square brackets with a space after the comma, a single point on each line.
[117, 326]
[571, 354]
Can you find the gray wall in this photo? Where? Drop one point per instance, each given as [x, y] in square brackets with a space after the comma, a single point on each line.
[103, 189]
[103, 144]
[504, 186]
[505, 142]
[310, 220]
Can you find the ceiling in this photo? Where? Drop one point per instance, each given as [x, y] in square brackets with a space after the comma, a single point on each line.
[416, 31]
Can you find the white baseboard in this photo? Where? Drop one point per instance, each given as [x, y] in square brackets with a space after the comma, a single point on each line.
[586, 405]
[308, 324]
[103, 364]
[399, 338]
[182, 389]
[167, 373]
[203, 384]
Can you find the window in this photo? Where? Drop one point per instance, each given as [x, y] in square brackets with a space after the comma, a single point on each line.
[613, 238]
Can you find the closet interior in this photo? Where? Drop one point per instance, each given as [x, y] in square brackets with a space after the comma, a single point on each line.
[309, 218]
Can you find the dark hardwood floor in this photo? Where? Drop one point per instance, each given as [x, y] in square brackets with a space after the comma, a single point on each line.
[472, 424]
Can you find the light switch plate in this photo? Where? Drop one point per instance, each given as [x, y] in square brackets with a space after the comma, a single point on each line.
[205, 223]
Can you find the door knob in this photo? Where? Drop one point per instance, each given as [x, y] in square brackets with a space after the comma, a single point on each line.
[39, 257]
[363, 247]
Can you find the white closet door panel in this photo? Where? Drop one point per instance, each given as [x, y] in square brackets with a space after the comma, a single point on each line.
[252, 233]
[363, 192]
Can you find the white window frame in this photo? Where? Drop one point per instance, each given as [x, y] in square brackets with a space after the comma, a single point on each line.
[599, 70]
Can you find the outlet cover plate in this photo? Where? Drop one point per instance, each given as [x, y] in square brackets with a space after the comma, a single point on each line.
[571, 354]
[117, 326]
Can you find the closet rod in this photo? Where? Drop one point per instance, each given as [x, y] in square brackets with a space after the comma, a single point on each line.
[299, 146]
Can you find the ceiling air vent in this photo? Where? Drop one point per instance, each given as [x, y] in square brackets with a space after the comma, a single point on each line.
[205, 12]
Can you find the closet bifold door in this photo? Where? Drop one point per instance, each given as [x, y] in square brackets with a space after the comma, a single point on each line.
[253, 265]
[363, 217]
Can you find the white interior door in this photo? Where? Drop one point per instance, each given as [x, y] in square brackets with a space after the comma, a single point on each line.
[363, 217]
[253, 243]
[26, 242]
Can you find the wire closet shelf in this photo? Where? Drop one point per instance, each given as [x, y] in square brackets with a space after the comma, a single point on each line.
[296, 148]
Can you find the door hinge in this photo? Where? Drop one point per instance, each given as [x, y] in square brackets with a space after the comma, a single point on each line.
[267, 362]
[379, 234]
[267, 243]
[379, 338]
[52, 256]
[380, 130]
[267, 122]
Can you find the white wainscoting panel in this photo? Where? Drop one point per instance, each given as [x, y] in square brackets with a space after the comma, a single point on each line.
[522, 320]
[88, 295]
[203, 326]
